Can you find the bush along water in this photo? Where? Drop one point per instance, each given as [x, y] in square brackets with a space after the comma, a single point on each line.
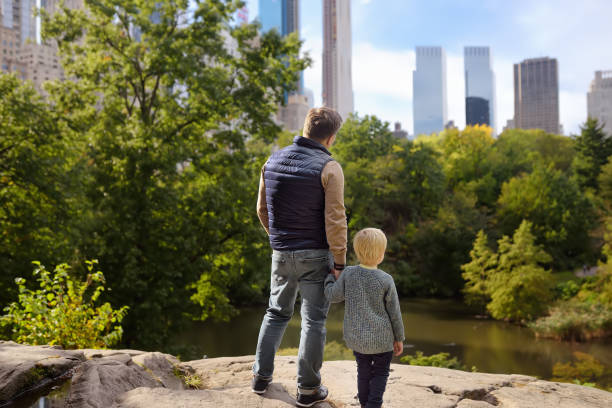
[442, 360]
[583, 309]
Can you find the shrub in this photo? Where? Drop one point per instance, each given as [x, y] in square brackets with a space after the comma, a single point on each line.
[63, 311]
[576, 321]
[442, 360]
[566, 290]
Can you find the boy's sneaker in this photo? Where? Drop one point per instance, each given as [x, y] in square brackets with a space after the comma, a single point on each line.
[308, 400]
[259, 385]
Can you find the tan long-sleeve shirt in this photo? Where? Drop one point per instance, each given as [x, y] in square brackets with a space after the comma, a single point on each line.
[332, 179]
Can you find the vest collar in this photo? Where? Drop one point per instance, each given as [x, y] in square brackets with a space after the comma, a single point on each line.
[306, 142]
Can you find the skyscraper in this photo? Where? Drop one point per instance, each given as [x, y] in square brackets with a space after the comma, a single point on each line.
[479, 87]
[282, 15]
[20, 44]
[536, 94]
[28, 20]
[429, 90]
[599, 99]
[6, 12]
[337, 56]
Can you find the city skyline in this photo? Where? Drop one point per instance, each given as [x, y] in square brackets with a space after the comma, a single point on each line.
[385, 34]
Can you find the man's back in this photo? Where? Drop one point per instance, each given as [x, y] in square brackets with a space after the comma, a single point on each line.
[295, 197]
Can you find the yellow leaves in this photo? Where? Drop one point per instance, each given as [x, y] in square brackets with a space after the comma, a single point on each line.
[397, 148]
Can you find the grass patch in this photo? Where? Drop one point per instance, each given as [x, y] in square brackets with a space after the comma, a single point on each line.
[191, 380]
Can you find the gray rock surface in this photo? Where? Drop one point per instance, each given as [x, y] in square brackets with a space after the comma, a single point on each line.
[23, 367]
[134, 379]
[408, 387]
[99, 377]
[99, 381]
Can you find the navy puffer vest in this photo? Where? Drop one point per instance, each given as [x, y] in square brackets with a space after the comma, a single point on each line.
[295, 196]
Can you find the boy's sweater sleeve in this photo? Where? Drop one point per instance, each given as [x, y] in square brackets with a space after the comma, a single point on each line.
[334, 289]
[393, 309]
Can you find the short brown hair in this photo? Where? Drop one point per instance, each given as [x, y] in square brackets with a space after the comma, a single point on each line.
[321, 123]
[369, 245]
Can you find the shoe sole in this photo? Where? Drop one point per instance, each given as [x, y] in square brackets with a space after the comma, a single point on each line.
[309, 405]
[262, 391]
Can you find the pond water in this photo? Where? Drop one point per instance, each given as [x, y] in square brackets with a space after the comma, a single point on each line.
[431, 325]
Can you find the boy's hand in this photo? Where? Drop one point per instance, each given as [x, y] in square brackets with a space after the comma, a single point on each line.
[398, 348]
[337, 273]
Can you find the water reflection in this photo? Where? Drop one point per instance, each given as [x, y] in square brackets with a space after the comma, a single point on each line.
[432, 326]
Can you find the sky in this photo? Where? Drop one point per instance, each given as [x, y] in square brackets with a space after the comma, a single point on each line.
[386, 32]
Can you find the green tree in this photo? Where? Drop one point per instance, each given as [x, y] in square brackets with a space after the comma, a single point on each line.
[521, 150]
[604, 181]
[593, 148]
[441, 244]
[466, 158]
[520, 288]
[166, 115]
[390, 183]
[561, 214]
[478, 271]
[63, 311]
[36, 177]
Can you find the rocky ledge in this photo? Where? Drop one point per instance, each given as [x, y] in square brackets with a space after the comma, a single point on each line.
[136, 379]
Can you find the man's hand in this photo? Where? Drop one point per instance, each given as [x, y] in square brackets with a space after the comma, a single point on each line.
[337, 273]
[398, 348]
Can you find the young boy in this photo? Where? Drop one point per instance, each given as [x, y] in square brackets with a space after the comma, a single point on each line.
[373, 326]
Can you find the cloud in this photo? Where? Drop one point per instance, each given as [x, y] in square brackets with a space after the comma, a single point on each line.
[382, 71]
[504, 88]
[382, 83]
[313, 76]
[455, 89]
[572, 111]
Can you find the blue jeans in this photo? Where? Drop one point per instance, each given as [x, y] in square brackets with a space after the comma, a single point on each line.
[293, 271]
[372, 375]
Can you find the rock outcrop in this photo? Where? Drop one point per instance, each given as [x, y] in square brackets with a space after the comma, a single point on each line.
[26, 367]
[135, 379]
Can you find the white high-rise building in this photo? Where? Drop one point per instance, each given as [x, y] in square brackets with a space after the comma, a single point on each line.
[479, 87]
[599, 99]
[337, 57]
[429, 91]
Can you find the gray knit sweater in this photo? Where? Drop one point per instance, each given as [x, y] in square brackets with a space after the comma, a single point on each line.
[372, 316]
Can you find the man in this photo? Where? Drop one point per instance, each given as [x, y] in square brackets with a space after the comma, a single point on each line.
[301, 206]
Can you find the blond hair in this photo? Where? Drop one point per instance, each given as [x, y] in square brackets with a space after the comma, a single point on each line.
[370, 245]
